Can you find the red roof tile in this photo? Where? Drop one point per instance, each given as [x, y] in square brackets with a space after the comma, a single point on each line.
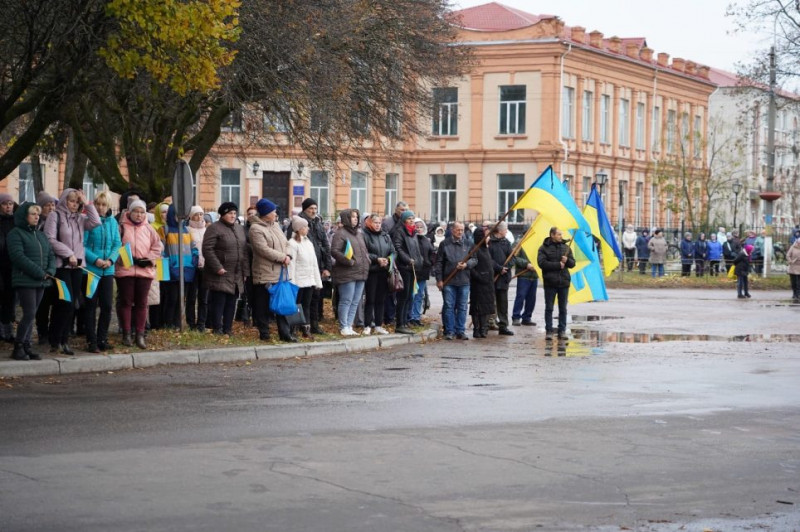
[495, 17]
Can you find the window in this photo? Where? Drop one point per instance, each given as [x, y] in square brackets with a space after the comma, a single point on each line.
[605, 119]
[319, 191]
[587, 188]
[390, 199]
[509, 188]
[638, 204]
[233, 122]
[358, 191]
[231, 187]
[567, 113]
[624, 122]
[656, 129]
[90, 189]
[445, 112]
[512, 109]
[640, 112]
[443, 197]
[671, 125]
[26, 190]
[587, 121]
[653, 205]
[684, 127]
[668, 221]
[698, 135]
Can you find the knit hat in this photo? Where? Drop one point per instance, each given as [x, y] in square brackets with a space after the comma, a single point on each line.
[298, 223]
[265, 206]
[197, 209]
[308, 202]
[748, 249]
[406, 215]
[137, 204]
[227, 207]
[43, 198]
[5, 197]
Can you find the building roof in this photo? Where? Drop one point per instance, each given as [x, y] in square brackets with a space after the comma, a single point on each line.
[495, 17]
[724, 79]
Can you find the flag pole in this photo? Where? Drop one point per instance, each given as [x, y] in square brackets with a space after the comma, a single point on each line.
[514, 251]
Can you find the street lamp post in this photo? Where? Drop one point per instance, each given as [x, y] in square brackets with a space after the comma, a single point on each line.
[601, 178]
[737, 188]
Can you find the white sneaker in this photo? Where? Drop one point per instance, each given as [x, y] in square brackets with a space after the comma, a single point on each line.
[366, 331]
[348, 331]
[381, 330]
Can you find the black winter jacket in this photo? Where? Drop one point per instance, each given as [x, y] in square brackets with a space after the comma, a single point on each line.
[449, 254]
[407, 247]
[500, 249]
[428, 256]
[316, 233]
[549, 260]
[379, 245]
[481, 290]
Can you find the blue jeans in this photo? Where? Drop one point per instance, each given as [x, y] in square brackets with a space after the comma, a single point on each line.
[742, 286]
[454, 308]
[349, 297]
[415, 312]
[525, 299]
[657, 269]
[550, 295]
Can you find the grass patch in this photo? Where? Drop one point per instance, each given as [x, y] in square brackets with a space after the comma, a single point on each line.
[675, 280]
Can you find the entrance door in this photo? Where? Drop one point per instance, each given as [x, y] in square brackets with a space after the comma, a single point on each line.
[275, 187]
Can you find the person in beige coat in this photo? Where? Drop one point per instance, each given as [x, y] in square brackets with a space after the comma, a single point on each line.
[270, 256]
[793, 269]
[658, 253]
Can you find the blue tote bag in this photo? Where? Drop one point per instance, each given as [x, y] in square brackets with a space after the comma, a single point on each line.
[283, 295]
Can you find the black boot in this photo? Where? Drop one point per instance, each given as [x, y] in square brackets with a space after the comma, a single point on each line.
[104, 345]
[140, 343]
[19, 352]
[30, 352]
[127, 340]
[315, 327]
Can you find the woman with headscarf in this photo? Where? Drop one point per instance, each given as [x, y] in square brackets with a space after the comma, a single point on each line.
[133, 282]
[102, 250]
[481, 285]
[196, 293]
[304, 269]
[33, 263]
[226, 266]
[270, 256]
[409, 262]
[351, 269]
[65, 229]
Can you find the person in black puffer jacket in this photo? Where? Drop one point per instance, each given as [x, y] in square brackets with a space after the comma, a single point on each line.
[555, 259]
[7, 208]
[409, 261]
[423, 272]
[481, 291]
[380, 248]
[322, 246]
[500, 249]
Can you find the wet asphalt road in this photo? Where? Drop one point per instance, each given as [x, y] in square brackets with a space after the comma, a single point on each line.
[666, 409]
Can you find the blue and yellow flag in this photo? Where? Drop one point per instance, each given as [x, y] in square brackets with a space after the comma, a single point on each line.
[595, 214]
[348, 250]
[126, 255]
[162, 269]
[92, 281]
[63, 291]
[550, 198]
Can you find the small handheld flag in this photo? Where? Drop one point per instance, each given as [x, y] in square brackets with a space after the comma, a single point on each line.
[92, 281]
[415, 288]
[162, 270]
[63, 291]
[126, 255]
[348, 250]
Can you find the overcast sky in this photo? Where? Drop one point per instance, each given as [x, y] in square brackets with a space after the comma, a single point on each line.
[696, 30]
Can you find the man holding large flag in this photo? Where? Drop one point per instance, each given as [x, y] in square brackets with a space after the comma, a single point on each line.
[555, 259]
[453, 256]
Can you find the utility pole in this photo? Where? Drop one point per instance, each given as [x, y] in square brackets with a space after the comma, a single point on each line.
[770, 195]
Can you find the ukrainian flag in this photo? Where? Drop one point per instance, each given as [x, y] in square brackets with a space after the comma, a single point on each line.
[595, 215]
[91, 284]
[162, 269]
[126, 255]
[63, 291]
[348, 250]
[550, 198]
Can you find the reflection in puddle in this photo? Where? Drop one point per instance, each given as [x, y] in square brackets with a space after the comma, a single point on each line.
[577, 318]
[601, 337]
[568, 348]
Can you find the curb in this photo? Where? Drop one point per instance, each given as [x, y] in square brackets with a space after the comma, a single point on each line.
[147, 359]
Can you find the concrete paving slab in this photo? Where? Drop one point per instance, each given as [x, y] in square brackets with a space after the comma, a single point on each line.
[92, 363]
[148, 359]
[265, 352]
[28, 368]
[227, 354]
[364, 343]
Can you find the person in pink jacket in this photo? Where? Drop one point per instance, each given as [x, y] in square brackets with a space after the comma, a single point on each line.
[133, 283]
[64, 229]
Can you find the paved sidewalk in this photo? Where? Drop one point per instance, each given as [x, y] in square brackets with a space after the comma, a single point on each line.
[64, 365]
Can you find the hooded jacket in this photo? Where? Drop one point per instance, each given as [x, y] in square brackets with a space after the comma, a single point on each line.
[102, 242]
[428, 254]
[30, 254]
[318, 238]
[145, 244]
[357, 268]
[270, 248]
[172, 248]
[65, 230]
[197, 230]
[549, 260]
[379, 245]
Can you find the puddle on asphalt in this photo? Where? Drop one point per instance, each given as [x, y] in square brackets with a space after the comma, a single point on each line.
[601, 337]
[579, 318]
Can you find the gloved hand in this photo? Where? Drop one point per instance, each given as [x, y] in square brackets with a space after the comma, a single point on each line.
[143, 263]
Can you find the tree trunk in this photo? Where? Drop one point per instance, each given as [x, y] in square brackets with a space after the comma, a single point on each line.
[36, 174]
[76, 164]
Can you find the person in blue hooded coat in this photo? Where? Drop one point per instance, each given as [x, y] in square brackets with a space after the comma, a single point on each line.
[174, 246]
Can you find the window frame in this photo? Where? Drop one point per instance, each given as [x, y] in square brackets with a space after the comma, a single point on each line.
[507, 196]
[567, 113]
[641, 112]
[605, 119]
[624, 139]
[519, 108]
[445, 112]
[358, 194]
[320, 193]
[226, 190]
[439, 194]
[587, 119]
